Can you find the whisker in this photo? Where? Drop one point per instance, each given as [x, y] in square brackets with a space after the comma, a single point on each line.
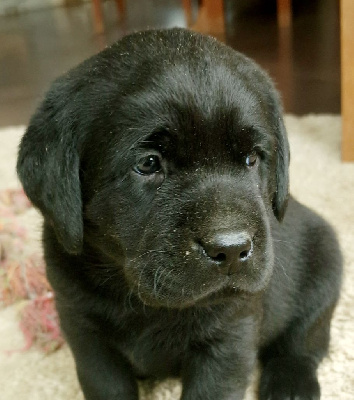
[286, 241]
[111, 276]
[164, 280]
[149, 252]
[284, 270]
[129, 299]
[157, 278]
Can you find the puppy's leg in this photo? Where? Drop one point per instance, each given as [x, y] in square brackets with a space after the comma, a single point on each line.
[290, 362]
[289, 378]
[221, 370]
[103, 374]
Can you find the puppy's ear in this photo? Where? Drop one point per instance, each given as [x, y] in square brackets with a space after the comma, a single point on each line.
[48, 167]
[281, 195]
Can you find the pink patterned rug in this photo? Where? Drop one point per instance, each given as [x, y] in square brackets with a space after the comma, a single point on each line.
[22, 276]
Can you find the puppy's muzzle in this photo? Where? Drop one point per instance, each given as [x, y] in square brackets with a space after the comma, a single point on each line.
[227, 251]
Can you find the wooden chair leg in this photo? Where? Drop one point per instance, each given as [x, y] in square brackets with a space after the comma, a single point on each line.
[98, 13]
[284, 13]
[347, 77]
[210, 17]
[187, 6]
[97, 16]
[121, 7]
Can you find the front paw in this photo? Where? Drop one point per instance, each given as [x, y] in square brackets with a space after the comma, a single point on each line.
[289, 379]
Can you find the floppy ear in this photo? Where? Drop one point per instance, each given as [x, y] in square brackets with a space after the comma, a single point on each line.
[48, 167]
[281, 195]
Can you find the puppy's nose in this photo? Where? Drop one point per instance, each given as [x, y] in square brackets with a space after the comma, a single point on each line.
[228, 250]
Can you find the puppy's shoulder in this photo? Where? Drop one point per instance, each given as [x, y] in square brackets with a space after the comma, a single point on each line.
[306, 241]
[300, 219]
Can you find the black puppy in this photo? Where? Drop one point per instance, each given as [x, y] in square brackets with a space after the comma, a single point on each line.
[158, 166]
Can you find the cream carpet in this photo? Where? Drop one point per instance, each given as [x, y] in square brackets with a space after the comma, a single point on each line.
[318, 179]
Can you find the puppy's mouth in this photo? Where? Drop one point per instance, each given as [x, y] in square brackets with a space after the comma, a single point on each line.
[181, 285]
[166, 292]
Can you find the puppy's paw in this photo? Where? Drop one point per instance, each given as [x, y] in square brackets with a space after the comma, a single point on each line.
[289, 379]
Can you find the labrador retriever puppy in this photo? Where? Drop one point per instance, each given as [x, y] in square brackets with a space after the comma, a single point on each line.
[160, 166]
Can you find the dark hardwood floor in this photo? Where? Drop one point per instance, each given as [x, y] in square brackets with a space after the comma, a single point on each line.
[304, 62]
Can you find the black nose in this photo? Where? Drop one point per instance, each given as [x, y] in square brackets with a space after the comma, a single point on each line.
[228, 250]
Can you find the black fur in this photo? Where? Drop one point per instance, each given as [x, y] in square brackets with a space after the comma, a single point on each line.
[159, 165]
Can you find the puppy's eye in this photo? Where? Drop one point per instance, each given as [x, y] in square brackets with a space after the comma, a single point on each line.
[148, 165]
[251, 159]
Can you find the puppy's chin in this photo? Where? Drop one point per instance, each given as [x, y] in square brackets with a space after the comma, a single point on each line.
[183, 300]
[176, 293]
[220, 295]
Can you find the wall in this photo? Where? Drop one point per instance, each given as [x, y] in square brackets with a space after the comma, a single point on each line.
[10, 7]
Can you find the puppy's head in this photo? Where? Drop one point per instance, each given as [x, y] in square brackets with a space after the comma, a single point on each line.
[168, 154]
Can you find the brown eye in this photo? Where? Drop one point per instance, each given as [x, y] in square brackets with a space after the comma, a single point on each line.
[251, 159]
[148, 165]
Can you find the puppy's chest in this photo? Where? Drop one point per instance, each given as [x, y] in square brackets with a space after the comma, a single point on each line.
[156, 349]
[157, 343]
[157, 346]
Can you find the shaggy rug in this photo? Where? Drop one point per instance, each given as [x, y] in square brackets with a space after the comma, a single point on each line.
[318, 179]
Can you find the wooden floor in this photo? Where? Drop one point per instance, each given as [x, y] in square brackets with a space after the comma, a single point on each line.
[304, 61]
